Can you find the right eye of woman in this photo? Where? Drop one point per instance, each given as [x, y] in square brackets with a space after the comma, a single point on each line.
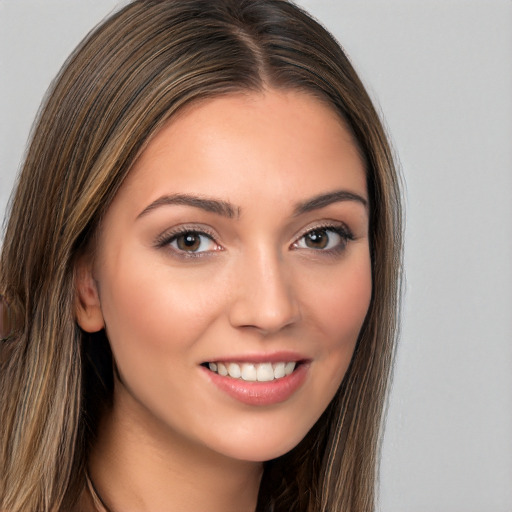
[189, 242]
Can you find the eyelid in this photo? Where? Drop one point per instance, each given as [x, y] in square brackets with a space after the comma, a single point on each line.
[164, 239]
[339, 228]
[334, 225]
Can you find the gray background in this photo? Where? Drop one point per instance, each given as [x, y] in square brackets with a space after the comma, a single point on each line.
[441, 73]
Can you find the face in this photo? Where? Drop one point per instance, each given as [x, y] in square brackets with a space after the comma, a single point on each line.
[232, 273]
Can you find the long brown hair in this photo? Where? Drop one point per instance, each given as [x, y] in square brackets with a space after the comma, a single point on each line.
[127, 78]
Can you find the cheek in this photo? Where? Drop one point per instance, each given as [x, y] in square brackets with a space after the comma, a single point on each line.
[339, 312]
[342, 303]
[152, 308]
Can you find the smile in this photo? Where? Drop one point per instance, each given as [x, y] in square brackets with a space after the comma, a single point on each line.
[258, 383]
[253, 372]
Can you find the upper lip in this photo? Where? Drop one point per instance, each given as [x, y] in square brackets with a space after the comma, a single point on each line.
[273, 357]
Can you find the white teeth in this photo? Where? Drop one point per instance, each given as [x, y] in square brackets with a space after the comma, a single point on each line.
[265, 372]
[222, 370]
[289, 367]
[279, 370]
[234, 370]
[250, 372]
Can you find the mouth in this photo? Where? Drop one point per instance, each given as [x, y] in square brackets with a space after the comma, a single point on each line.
[258, 381]
[253, 372]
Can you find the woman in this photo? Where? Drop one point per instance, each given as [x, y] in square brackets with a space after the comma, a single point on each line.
[201, 267]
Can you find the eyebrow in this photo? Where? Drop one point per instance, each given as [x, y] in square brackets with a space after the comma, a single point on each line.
[217, 206]
[323, 200]
[226, 209]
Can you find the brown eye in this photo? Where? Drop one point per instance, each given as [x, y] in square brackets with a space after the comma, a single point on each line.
[192, 242]
[323, 239]
[317, 239]
[188, 242]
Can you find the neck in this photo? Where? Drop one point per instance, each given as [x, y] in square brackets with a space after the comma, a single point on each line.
[138, 464]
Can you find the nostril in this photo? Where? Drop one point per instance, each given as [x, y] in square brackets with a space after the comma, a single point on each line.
[265, 314]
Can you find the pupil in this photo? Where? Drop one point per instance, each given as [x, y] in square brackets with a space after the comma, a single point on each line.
[317, 239]
[189, 241]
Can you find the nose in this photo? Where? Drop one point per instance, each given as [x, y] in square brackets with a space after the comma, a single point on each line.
[264, 295]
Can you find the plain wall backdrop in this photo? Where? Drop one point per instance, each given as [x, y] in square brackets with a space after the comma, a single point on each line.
[440, 71]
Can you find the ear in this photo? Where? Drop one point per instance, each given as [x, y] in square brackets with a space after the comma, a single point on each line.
[87, 301]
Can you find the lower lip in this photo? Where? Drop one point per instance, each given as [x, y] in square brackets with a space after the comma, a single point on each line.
[260, 393]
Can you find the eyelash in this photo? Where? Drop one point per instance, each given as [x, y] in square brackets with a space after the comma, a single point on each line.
[341, 230]
[168, 238]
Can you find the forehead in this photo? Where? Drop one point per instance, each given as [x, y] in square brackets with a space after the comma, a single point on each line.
[269, 144]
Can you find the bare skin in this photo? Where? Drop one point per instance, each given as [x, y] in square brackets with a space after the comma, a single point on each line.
[240, 239]
[132, 472]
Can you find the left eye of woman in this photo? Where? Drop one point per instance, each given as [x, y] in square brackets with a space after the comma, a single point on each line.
[322, 239]
[192, 242]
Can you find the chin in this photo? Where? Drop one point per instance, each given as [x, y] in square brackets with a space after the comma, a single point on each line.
[260, 445]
